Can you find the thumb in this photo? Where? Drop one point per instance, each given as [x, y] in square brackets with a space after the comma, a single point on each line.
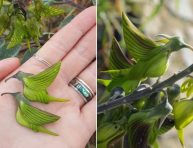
[7, 66]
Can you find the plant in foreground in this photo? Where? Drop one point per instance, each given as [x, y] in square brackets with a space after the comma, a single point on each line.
[32, 117]
[35, 89]
[35, 85]
[143, 119]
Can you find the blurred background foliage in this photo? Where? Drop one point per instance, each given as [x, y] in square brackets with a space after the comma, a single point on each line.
[152, 17]
[26, 25]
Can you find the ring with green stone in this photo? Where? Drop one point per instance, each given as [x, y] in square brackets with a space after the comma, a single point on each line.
[82, 88]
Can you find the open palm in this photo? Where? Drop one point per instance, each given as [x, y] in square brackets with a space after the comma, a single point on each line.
[75, 45]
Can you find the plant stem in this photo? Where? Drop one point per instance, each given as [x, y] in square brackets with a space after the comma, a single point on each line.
[144, 93]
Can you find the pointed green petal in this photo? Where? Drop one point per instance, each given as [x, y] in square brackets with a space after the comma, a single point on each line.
[181, 137]
[139, 46]
[36, 116]
[41, 96]
[103, 82]
[46, 131]
[54, 99]
[20, 119]
[117, 59]
[43, 79]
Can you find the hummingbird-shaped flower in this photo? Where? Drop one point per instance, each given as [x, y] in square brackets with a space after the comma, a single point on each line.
[32, 117]
[35, 86]
[144, 126]
[149, 58]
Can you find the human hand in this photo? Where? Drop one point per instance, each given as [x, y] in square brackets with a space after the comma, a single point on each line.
[7, 66]
[75, 45]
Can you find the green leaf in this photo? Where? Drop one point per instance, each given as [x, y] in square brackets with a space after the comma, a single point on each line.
[33, 30]
[4, 23]
[28, 54]
[183, 113]
[6, 53]
[43, 79]
[187, 86]
[18, 35]
[117, 59]
[139, 46]
[51, 11]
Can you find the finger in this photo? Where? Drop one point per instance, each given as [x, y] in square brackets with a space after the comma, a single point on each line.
[80, 56]
[89, 114]
[7, 66]
[63, 41]
[89, 77]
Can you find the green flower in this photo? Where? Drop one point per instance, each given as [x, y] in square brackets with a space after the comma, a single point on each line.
[32, 117]
[35, 86]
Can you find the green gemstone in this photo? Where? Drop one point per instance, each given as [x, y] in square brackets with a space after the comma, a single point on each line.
[84, 91]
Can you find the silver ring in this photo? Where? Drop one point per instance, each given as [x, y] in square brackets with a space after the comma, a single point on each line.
[82, 88]
[41, 60]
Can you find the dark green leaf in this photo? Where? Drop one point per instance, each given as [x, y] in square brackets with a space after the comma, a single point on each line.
[28, 54]
[6, 53]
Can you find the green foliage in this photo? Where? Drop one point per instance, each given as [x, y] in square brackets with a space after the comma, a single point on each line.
[150, 116]
[183, 114]
[6, 53]
[27, 26]
[43, 10]
[187, 87]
